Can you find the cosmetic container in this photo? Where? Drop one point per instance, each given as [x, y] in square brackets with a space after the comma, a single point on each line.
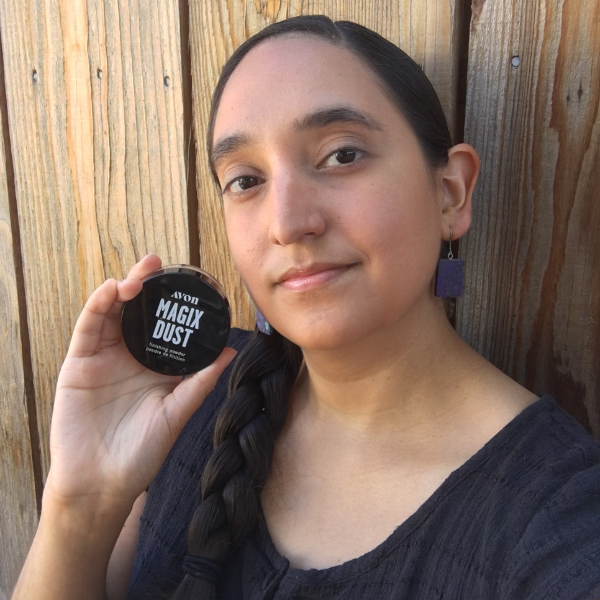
[179, 323]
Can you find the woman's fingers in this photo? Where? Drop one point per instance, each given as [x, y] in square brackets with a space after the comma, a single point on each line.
[131, 286]
[126, 290]
[145, 266]
[100, 321]
[89, 325]
[188, 396]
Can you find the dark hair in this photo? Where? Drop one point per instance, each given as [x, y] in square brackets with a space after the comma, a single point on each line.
[256, 407]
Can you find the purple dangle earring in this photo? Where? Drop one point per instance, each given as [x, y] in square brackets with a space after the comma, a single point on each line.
[262, 324]
[449, 277]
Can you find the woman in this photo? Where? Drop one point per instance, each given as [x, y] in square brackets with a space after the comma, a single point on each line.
[364, 451]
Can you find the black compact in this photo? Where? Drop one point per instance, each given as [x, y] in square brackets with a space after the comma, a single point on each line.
[179, 323]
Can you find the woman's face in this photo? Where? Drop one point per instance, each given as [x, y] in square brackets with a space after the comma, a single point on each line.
[333, 219]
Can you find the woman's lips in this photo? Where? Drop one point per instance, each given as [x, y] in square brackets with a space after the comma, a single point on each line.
[299, 280]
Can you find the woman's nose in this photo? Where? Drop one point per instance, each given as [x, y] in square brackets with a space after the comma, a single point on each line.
[294, 209]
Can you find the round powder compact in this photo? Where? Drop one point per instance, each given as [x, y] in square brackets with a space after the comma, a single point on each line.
[179, 323]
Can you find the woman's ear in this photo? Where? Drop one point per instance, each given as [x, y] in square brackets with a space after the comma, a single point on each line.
[459, 179]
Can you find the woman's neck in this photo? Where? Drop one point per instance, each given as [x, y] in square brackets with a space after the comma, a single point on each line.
[403, 373]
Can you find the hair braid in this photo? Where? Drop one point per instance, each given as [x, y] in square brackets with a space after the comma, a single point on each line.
[247, 425]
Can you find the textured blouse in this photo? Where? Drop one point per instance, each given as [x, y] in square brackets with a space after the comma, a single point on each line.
[519, 520]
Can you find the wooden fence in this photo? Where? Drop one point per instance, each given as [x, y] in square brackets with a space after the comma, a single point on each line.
[103, 107]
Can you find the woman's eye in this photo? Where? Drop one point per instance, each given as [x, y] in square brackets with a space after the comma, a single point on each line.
[241, 184]
[343, 156]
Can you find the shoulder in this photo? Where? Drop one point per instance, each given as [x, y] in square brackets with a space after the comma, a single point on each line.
[175, 492]
[195, 441]
[524, 512]
[196, 437]
[238, 338]
[550, 449]
[197, 425]
[554, 470]
[544, 452]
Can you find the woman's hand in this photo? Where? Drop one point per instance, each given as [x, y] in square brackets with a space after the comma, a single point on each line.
[114, 421]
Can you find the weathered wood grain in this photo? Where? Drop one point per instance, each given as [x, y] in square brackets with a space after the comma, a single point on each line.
[425, 29]
[95, 114]
[532, 301]
[18, 507]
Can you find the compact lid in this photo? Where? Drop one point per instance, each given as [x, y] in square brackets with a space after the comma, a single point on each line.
[179, 323]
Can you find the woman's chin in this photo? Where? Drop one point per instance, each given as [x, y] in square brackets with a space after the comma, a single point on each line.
[327, 336]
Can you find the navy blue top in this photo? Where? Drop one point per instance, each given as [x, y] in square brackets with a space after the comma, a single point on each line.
[519, 520]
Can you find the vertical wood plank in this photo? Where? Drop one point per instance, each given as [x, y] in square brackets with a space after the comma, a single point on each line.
[426, 29]
[98, 147]
[532, 301]
[18, 507]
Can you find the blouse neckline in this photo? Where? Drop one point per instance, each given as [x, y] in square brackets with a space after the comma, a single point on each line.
[364, 563]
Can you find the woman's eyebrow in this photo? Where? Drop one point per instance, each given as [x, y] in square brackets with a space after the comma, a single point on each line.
[227, 145]
[315, 120]
[336, 114]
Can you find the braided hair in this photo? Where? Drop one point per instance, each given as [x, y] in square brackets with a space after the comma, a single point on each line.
[247, 425]
[265, 370]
